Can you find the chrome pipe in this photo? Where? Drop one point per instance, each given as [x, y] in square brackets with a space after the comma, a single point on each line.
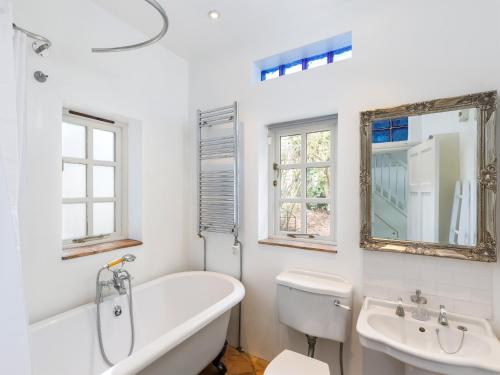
[148, 42]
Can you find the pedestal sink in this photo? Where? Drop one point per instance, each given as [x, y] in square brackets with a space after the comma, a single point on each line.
[416, 343]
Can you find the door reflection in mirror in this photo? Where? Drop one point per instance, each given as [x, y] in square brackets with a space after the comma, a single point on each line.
[424, 178]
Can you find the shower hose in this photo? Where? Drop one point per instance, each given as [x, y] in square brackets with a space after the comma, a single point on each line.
[131, 314]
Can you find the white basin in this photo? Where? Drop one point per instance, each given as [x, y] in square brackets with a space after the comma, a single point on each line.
[416, 344]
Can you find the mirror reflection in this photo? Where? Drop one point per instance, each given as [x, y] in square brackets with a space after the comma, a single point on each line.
[424, 178]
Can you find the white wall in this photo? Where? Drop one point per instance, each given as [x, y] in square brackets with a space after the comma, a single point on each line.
[149, 88]
[397, 59]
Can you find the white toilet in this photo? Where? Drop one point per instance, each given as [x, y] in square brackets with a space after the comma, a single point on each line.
[318, 305]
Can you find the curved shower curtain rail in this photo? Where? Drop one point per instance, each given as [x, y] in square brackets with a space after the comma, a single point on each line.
[33, 35]
[163, 31]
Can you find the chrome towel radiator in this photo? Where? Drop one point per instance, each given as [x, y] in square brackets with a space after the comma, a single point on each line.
[218, 179]
[218, 196]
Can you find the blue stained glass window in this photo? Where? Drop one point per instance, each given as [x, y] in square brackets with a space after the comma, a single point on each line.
[390, 130]
[398, 122]
[270, 74]
[399, 134]
[294, 67]
[379, 136]
[306, 63]
[315, 61]
[342, 54]
[381, 124]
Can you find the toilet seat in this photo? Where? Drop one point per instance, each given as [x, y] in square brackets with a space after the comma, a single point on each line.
[291, 363]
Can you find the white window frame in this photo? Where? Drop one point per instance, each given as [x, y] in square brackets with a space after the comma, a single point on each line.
[302, 127]
[120, 164]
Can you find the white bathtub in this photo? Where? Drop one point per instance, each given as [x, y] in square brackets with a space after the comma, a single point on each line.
[181, 323]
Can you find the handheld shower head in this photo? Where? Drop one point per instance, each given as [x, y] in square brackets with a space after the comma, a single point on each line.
[123, 259]
[128, 258]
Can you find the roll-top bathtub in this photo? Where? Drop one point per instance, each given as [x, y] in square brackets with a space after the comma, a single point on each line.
[181, 323]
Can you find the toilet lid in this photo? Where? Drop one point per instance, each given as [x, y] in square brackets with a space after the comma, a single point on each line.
[291, 363]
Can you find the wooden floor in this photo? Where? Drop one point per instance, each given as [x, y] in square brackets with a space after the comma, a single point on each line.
[239, 364]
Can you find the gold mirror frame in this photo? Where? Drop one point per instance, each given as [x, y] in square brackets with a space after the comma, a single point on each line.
[485, 249]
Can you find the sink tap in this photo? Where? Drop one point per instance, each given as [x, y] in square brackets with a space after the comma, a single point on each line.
[400, 310]
[443, 316]
[420, 313]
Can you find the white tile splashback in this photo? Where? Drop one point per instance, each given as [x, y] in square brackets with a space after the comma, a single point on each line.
[462, 286]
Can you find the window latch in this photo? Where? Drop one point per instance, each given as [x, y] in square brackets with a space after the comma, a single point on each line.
[276, 168]
[301, 235]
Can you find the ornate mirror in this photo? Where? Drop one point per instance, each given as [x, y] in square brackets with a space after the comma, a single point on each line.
[428, 178]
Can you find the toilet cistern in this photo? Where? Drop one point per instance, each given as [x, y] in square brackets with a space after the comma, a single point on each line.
[316, 304]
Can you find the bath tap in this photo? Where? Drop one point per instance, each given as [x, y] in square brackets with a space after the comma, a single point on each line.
[120, 275]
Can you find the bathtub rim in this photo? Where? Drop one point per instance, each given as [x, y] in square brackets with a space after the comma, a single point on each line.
[161, 345]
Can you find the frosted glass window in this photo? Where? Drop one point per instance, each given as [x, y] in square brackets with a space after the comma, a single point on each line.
[104, 145]
[74, 220]
[73, 141]
[104, 182]
[104, 218]
[74, 180]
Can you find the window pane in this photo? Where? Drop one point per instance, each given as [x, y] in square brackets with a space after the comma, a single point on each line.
[290, 183]
[381, 124]
[73, 140]
[342, 55]
[318, 219]
[270, 74]
[399, 134]
[104, 182]
[290, 149]
[290, 217]
[380, 136]
[74, 181]
[318, 182]
[313, 62]
[318, 146]
[104, 145]
[104, 218]
[293, 67]
[74, 221]
[400, 122]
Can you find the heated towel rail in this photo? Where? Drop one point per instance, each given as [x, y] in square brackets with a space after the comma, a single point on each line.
[218, 179]
[218, 196]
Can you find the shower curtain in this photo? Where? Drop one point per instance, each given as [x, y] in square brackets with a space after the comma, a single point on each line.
[14, 345]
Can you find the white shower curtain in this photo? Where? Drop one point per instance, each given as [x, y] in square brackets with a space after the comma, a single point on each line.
[14, 345]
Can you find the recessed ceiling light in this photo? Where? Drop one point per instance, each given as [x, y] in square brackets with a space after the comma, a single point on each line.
[213, 14]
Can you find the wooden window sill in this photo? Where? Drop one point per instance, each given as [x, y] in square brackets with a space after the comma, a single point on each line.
[83, 251]
[300, 245]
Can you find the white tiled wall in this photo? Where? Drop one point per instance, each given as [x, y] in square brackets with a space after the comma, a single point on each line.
[462, 286]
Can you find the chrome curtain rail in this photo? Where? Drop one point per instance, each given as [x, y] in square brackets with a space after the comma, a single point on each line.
[33, 35]
[148, 42]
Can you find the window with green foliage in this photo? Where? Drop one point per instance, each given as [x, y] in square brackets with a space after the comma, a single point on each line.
[303, 170]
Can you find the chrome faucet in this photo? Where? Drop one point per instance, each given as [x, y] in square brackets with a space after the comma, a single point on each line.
[120, 275]
[420, 313]
[443, 316]
[400, 310]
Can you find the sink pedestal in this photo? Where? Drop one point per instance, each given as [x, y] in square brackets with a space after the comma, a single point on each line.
[412, 370]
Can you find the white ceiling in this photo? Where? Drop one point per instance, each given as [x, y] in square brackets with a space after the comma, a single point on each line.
[192, 35]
